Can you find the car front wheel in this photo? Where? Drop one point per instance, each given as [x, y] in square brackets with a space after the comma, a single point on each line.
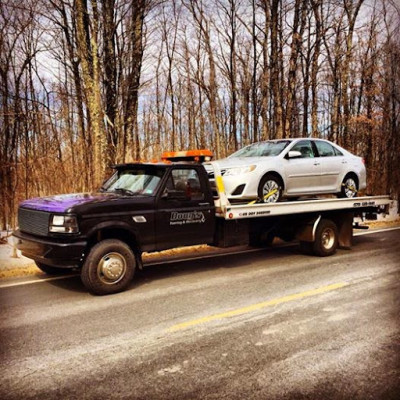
[270, 189]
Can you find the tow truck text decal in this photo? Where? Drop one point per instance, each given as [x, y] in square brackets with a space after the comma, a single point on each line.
[254, 213]
[184, 218]
[364, 204]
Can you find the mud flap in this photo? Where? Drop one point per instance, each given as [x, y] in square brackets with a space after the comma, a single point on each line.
[345, 229]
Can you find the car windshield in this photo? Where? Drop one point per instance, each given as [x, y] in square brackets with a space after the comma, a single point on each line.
[261, 149]
[134, 181]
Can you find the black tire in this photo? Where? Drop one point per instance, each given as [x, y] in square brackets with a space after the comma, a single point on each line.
[50, 270]
[326, 238]
[349, 188]
[270, 183]
[109, 267]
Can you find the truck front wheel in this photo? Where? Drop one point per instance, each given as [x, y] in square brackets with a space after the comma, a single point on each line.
[109, 267]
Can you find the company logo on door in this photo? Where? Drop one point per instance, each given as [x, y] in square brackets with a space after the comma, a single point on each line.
[184, 218]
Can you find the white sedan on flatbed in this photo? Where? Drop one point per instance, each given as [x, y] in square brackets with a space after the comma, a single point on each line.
[276, 169]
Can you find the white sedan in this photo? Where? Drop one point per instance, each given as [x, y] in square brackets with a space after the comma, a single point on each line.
[274, 169]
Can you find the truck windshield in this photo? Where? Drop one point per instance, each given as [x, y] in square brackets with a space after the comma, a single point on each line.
[261, 149]
[134, 181]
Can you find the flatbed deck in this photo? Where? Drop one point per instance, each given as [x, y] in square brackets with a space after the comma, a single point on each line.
[243, 211]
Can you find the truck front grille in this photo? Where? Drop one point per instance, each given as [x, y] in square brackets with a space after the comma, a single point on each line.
[33, 221]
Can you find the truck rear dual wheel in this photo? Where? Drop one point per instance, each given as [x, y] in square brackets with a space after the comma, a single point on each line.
[325, 241]
[109, 267]
[326, 238]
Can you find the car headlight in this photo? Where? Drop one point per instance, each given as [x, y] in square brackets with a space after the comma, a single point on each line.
[239, 170]
[63, 224]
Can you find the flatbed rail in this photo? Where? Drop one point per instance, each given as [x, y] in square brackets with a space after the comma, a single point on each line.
[242, 211]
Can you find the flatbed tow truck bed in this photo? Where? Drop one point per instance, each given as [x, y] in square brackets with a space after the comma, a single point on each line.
[243, 211]
[320, 225]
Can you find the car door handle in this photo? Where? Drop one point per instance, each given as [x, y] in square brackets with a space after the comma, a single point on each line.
[204, 204]
[316, 163]
[344, 162]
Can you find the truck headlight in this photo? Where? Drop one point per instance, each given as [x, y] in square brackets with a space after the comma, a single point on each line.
[239, 170]
[63, 224]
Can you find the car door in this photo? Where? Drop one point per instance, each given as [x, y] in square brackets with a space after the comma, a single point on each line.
[185, 215]
[303, 173]
[333, 164]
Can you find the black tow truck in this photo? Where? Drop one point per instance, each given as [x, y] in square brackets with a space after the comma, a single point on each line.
[147, 207]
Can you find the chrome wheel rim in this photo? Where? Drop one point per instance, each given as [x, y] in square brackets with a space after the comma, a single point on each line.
[270, 192]
[350, 188]
[328, 238]
[111, 268]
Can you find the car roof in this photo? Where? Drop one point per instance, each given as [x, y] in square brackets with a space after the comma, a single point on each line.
[290, 140]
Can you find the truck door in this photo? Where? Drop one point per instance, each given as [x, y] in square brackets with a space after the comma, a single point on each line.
[185, 216]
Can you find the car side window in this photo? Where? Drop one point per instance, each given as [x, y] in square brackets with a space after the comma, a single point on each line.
[186, 180]
[305, 148]
[337, 152]
[325, 149]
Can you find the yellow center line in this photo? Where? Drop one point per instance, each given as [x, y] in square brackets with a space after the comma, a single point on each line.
[259, 306]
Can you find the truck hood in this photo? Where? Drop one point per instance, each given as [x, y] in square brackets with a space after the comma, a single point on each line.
[65, 202]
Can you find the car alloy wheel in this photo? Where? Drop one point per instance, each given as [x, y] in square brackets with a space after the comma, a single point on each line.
[270, 191]
[350, 188]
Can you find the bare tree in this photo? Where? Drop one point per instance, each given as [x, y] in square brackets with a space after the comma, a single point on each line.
[203, 25]
[87, 83]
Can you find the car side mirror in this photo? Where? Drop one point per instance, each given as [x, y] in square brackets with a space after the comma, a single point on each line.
[294, 154]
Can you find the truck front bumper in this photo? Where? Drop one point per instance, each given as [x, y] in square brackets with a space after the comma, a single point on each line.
[50, 251]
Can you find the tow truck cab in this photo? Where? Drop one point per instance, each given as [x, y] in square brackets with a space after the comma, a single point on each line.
[168, 205]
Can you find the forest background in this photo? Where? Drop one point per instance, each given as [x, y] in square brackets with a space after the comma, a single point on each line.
[85, 84]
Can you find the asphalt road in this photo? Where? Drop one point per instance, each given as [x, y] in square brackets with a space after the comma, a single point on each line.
[272, 324]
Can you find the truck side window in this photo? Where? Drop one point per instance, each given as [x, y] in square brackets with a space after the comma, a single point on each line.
[187, 180]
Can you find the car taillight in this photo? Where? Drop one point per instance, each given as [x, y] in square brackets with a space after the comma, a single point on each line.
[363, 160]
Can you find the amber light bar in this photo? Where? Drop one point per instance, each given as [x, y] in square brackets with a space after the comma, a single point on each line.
[188, 155]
